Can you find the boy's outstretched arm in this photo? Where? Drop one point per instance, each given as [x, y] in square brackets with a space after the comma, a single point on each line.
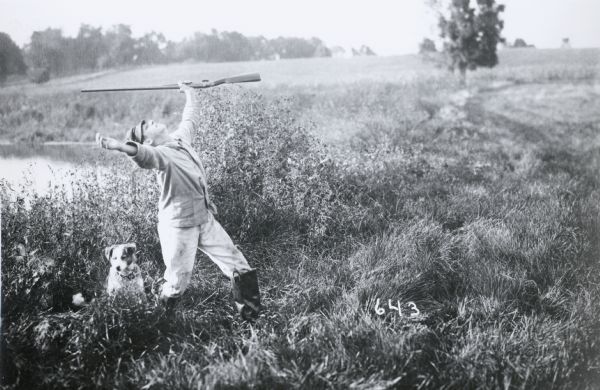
[144, 156]
[112, 144]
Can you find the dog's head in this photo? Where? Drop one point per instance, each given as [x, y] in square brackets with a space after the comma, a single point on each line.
[122, 257]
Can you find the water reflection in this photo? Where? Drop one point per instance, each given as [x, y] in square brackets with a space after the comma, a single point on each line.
[29, 169]
[74, 152]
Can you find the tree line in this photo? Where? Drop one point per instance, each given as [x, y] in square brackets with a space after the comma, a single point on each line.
[470, 34]
[94, 48]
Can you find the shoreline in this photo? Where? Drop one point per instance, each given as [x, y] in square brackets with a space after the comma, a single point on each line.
[48, 143]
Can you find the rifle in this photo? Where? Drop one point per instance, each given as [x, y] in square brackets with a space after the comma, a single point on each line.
[244, 78]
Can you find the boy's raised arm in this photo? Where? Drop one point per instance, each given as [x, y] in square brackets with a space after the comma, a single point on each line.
[190, 118]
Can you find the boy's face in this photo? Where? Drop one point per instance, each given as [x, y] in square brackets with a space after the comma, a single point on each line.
[147, 131]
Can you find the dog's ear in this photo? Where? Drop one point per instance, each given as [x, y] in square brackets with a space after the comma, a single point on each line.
[108, 251]
[130, 249]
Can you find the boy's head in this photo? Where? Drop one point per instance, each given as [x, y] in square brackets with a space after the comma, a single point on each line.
[149, 132]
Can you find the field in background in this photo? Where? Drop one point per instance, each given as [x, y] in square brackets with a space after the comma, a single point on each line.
[57, 111]
[345, 182]
[315, 71]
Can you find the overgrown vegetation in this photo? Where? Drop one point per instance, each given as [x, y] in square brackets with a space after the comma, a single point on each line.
[485, 221]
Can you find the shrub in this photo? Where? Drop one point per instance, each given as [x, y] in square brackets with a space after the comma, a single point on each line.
[268, 174]
[39, 75]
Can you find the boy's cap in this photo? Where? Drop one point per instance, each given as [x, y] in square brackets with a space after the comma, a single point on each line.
[136, 134]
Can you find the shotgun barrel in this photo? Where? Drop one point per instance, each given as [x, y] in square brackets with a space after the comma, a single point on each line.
[244, 78]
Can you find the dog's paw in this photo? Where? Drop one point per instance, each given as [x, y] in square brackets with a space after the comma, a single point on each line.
[79, 300]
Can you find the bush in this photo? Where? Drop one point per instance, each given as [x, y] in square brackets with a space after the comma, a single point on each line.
[269, 175]
[39, 75]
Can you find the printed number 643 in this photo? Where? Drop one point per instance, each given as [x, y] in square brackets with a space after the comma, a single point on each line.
[413, 307]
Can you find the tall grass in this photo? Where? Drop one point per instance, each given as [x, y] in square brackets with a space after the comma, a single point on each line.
[491, 234]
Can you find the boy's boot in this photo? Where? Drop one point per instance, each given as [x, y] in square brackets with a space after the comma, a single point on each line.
[168, 303]
[246, 294]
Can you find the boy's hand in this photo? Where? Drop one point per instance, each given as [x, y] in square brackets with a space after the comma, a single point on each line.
[184, 87]
[107, 143]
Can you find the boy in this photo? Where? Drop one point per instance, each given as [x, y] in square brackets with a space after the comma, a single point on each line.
[185, 212]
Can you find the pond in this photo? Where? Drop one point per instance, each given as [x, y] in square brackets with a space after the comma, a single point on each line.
[35, 168]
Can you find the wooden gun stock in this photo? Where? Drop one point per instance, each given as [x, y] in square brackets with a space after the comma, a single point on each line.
[244, 78]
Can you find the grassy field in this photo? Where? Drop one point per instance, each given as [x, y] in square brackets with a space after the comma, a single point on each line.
[345, 182]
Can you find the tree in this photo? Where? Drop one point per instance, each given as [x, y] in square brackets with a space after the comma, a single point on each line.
[234, 47]
[320, 49]
[202, 47]
[261, 48]
[471, 35]
[48, 50]
[120, 46]
[427, 46]
[11, 58]
[364, 50]
[89, 47]
[149, 49]
[298, 47]
[520, 42]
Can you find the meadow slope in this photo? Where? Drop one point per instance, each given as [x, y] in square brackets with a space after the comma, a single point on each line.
[479, 206]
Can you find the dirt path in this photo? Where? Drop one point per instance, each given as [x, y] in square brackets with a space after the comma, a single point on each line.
[540, 112]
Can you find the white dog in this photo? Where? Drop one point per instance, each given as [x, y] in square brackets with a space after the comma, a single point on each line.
[125, 275]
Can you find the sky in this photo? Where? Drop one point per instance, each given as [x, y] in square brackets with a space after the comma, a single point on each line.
[389, 27]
